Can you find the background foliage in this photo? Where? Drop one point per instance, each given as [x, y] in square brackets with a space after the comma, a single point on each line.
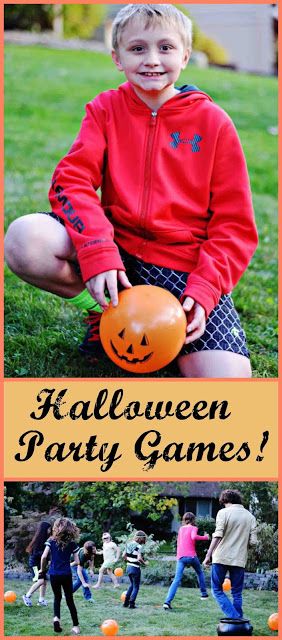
[81, 20]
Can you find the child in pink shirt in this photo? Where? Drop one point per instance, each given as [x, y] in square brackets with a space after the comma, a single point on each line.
[187, 557]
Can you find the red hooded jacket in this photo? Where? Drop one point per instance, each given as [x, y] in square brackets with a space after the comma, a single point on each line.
[175, 190]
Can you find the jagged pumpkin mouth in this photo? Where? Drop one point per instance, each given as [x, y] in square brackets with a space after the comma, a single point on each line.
[130, 360]
[127, 358]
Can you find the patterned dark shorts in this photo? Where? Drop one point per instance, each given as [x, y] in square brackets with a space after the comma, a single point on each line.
[223, 328]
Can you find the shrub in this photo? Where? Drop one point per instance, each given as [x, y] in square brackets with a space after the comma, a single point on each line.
[215, 53]
[265, 554]
[205, 525]
[32, 17]
[162, 572]
[150, 547]
[81, 20]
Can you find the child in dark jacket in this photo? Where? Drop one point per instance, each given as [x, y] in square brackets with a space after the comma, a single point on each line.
[175, 209]
[35, 549]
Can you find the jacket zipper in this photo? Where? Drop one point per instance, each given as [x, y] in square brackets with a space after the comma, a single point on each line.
[147, 171]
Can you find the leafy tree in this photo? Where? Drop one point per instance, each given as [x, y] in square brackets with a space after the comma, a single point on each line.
[265, 554]
[14, 497]
[260, 497]
[31, 17]
[99, 506]
[8, 508]
[81, 20]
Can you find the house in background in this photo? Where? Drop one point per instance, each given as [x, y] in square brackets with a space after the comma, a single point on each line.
[247, 32]
[201, 498]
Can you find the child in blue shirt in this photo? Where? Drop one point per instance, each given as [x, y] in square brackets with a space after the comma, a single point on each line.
[59, 548]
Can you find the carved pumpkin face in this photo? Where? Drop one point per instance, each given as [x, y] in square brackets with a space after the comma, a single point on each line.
[129, 350]
[145, 331]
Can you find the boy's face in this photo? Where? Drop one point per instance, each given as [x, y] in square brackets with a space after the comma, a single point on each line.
[151, 58]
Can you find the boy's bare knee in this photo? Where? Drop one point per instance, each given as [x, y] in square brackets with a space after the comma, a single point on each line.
[214, 364]
[11, 245]
[21, 244]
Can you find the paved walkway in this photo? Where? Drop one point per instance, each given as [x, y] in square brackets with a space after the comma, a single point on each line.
[48, 39]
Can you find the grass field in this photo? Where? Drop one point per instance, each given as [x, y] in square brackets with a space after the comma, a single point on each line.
[44, 102]
[189, 617]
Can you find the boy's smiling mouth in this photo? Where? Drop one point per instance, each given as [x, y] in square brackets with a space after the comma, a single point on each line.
[152, 73]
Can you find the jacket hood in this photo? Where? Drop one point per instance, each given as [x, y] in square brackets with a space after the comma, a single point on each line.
[187, 95]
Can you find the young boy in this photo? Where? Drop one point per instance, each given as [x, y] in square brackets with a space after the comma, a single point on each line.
[175, 209]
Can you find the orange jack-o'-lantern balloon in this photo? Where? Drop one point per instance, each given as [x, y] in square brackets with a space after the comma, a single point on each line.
[109, 627]
[118, 572]
[145, 331]
[273, 622]
[10, 596]
[226, 584]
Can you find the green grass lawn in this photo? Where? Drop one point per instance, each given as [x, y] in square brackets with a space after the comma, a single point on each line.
[190, 616]
[44, 102]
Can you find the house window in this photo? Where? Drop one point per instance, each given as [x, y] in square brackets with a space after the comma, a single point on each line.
[203, 508]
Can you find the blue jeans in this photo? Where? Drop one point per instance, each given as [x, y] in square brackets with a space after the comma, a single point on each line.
[218, 574]
[187, 561]
[134, 574]
[77, 583]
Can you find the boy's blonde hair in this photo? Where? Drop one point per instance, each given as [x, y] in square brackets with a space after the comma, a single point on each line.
[150, 15]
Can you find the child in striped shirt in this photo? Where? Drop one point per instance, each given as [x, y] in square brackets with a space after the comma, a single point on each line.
[133, 555]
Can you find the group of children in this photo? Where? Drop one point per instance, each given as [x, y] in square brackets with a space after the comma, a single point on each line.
[69, 565]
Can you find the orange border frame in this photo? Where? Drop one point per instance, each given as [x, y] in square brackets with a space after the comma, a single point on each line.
[253, 381]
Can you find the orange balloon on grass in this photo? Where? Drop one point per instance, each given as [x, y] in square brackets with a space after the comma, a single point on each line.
[226, 584]
[123, 596]
[109, 627]
[10, 596]
[273, 622]
[118, 572]
[145, 331]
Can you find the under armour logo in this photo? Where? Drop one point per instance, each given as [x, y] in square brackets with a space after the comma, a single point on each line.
[176, 140]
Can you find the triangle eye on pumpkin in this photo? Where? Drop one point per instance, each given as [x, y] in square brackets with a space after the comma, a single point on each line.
[144, 342]
[121, 334]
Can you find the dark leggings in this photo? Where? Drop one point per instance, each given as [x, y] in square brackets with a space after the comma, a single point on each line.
[57, 582]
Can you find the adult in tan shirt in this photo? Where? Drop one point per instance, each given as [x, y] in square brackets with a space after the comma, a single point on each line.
[235, 531]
